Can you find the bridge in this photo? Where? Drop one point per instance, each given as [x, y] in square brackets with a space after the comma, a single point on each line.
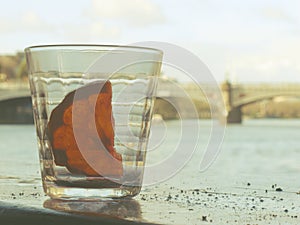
[235, 96]
[15, 103]
[238, 95]
[14, 90]
[174, 97]
[173, 100]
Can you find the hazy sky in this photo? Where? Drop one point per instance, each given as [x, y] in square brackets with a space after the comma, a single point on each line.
[252, 40]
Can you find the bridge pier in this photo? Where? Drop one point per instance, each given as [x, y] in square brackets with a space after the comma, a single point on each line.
[234, 115]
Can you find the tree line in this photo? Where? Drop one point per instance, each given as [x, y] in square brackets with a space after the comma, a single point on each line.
[13, 67]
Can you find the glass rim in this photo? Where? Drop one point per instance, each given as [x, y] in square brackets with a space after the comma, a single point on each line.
[93, 46]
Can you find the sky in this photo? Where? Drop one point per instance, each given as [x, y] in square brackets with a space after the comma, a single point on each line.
[244, 41]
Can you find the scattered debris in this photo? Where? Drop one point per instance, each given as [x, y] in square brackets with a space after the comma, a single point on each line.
[204, 218]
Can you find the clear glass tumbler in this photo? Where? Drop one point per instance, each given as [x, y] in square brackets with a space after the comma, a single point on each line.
[92, 108]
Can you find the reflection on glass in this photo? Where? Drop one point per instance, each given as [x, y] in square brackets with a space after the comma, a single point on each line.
[121, 208]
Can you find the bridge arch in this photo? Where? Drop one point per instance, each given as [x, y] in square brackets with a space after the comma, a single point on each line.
[270, 96]
[16, 110]
[238, 95]
[14, 95]
[178, 108]
[235, 112]
[164, 108]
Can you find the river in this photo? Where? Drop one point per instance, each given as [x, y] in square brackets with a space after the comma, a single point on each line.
[265, 147]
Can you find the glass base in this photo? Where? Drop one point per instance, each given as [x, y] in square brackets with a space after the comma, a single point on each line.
[89, 194]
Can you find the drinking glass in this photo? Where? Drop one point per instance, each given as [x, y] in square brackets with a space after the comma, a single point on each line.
[92, 107]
